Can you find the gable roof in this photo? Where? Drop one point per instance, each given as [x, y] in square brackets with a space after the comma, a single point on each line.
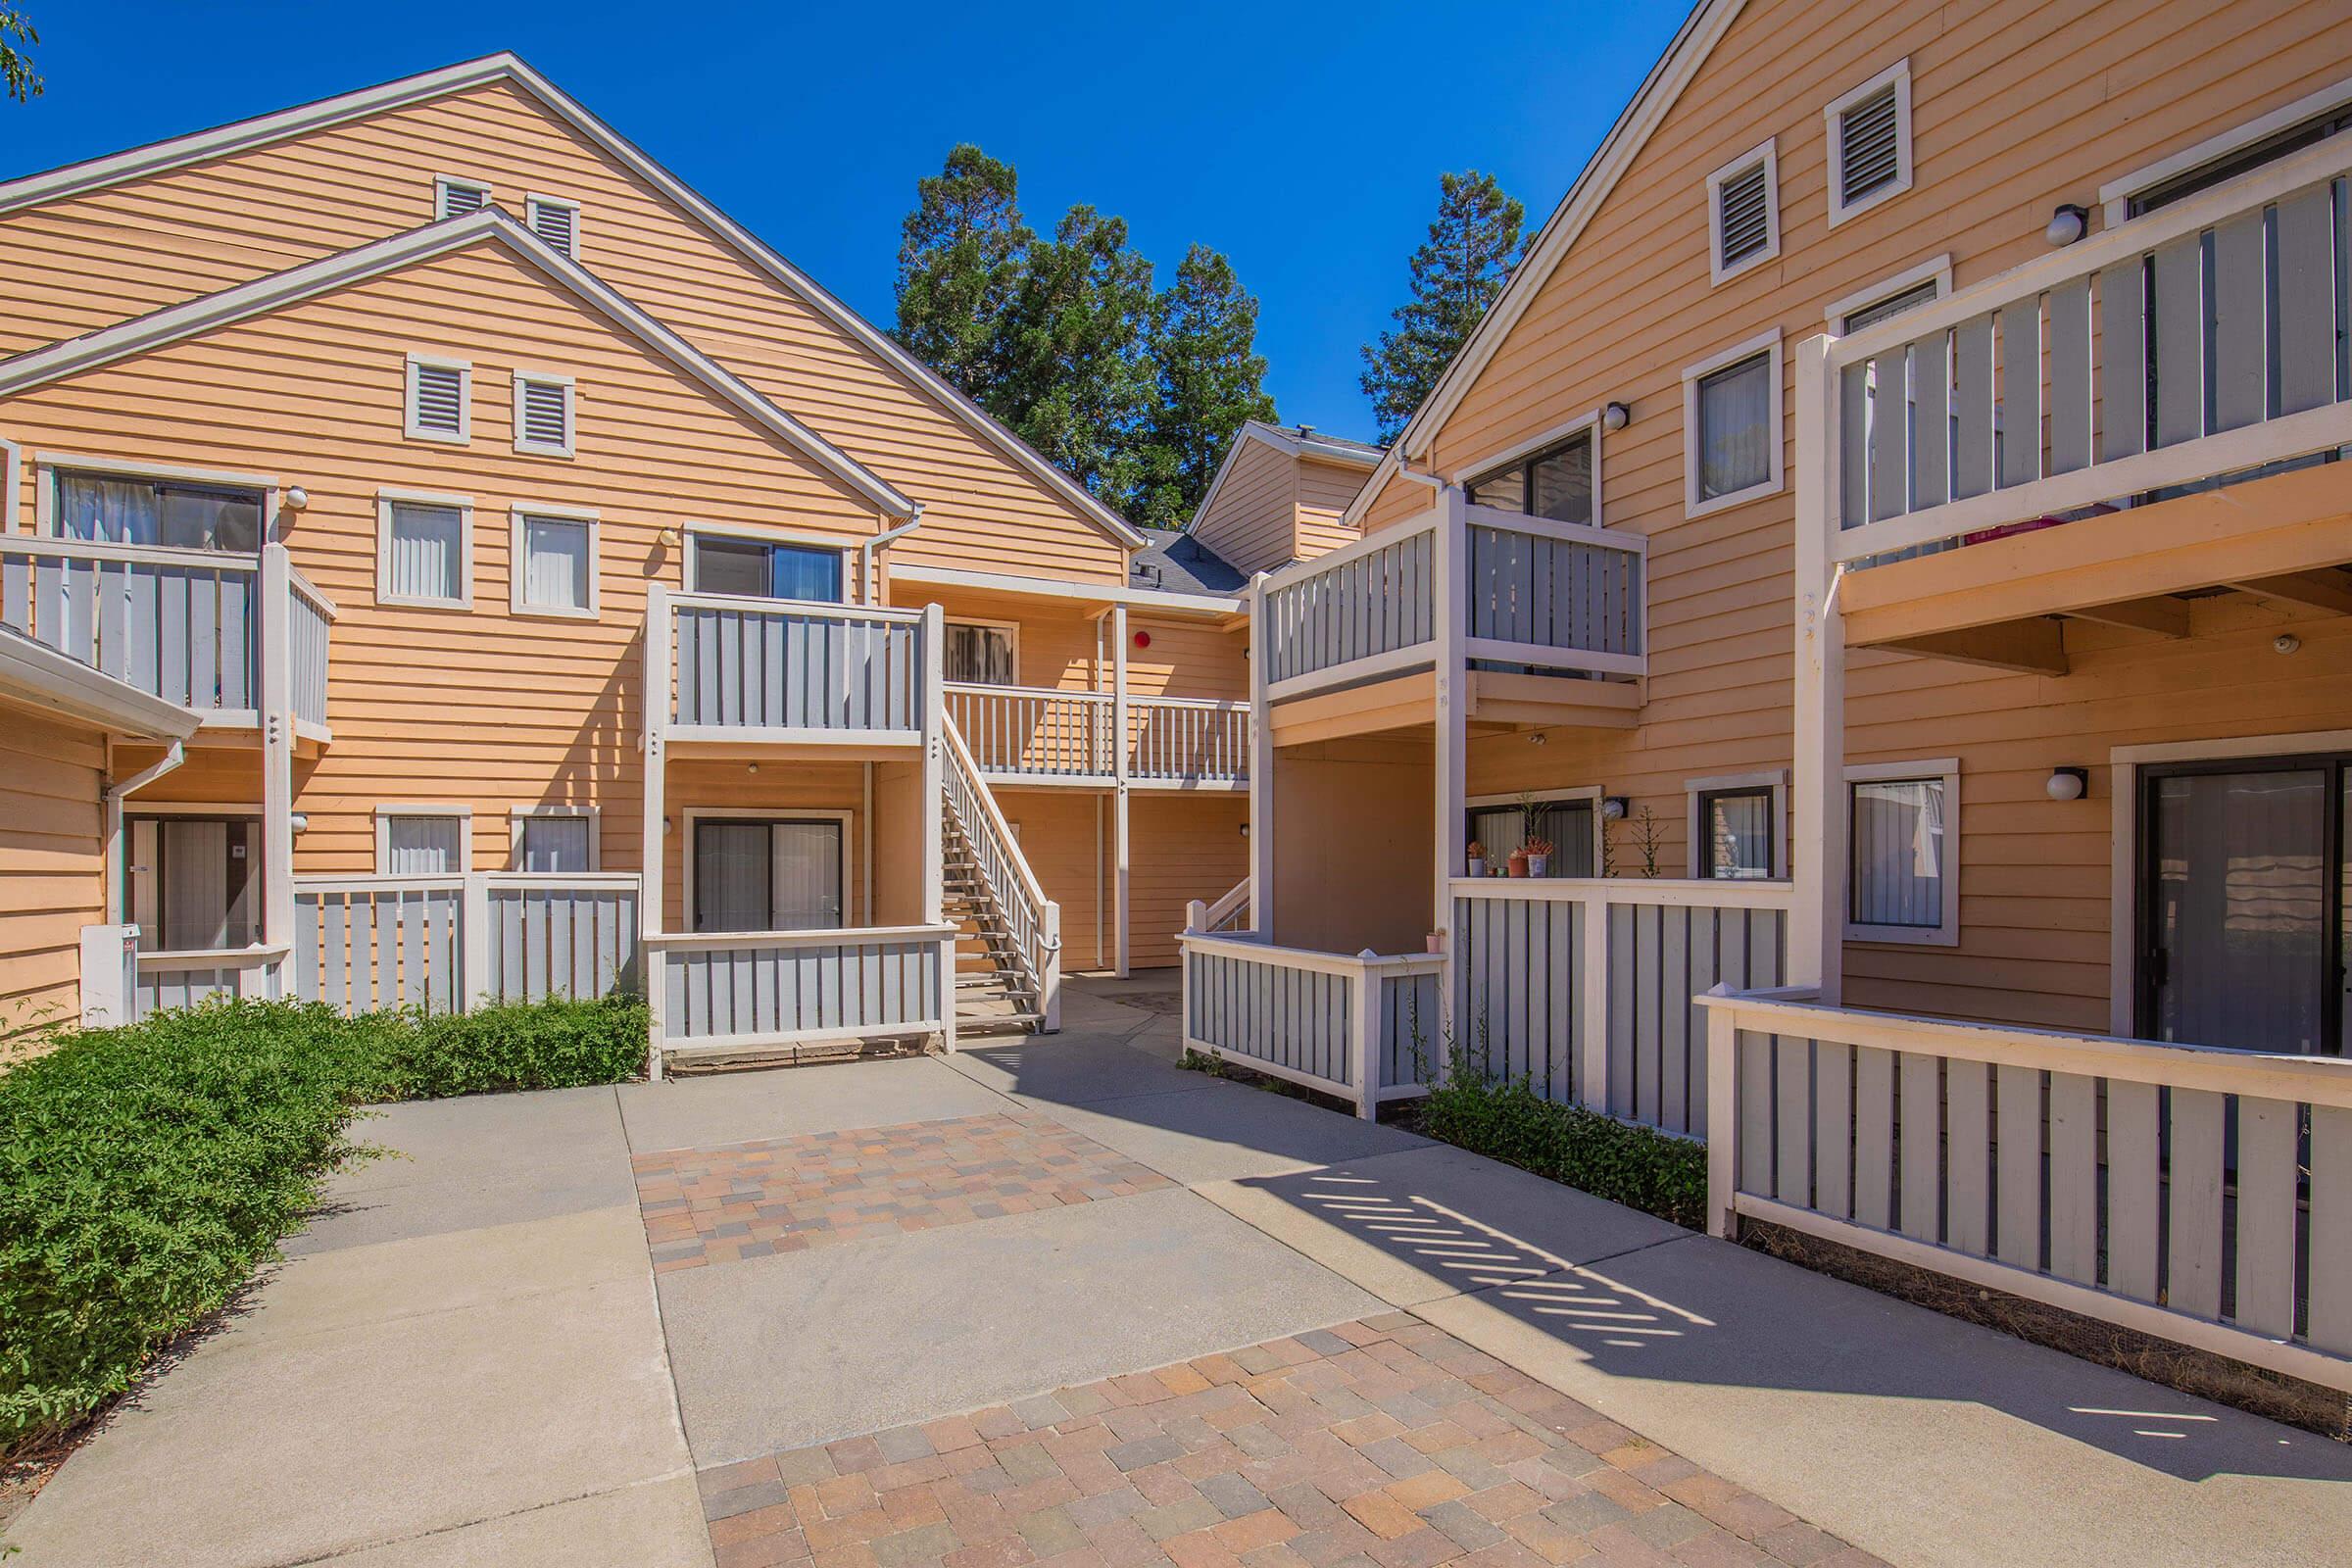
[1178, 563]
[1701, 31]
[1292, 441]
[490, 224]
[202, 146]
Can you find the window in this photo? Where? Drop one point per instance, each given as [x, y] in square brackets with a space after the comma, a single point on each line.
[425, 550]
[423, 840]
[1555, 481]
[981, 653]
[1737, 826]
[1498, 824]
[454, 198]
[554, 221]
[767, 874]
[553, 840]
[1893, 305]
[1743, 212]
[127, 510]
[543, 413]
[1870, 143]
[1906, 290]
[726, 564]
[554, 570]
[440, 399]
[1902, 839]
[1732, 426]
[2240, 160]
[193, 884]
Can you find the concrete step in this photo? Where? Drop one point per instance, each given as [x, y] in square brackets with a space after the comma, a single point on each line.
[688, 1061]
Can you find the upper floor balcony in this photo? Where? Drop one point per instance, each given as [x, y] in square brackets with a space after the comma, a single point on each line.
[2151, 412]
[1545, 620]
[726, 669]
[1058, 738]
[205, 629]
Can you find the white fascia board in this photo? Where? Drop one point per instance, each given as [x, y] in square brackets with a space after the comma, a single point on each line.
[1047, 588]
[36, 674]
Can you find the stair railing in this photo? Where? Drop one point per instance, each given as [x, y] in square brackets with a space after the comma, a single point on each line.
[1031, 923]
[1223, 918]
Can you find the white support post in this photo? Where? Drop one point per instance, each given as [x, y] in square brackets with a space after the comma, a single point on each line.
[277, 745]
[473, 975]
[650, 883]
[947, 995]
[1261, 770]
[1195, 914]
[1122, 860]
[1817, 787]
[1451, 740]
[1722, 1122]
[1592, 1006]
[1363, 1028]
[1050, 983]
[935, 776]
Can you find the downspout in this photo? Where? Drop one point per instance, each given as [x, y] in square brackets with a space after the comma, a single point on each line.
[866, 552]
[171, 759]
[1404, 471]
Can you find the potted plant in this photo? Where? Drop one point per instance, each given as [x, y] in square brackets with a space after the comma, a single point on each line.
[1539, 857]
[1478, 859]
[1518, 862]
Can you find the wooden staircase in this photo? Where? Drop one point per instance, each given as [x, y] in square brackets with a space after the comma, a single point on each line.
[1009, 956]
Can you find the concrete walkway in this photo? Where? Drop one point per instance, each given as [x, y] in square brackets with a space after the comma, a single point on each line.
[774, 1318]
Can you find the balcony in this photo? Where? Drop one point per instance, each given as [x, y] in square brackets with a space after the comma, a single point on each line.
[2149, 413]
[1040, 736]
[760, 671]
[1547, 619]
[191, 626]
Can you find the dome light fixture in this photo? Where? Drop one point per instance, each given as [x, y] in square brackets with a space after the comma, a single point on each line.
[2067, 783]
[1614, 416]
[2068, 224]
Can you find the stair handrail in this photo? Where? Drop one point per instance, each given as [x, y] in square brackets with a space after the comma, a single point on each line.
[1217, 916]
[1032, 919]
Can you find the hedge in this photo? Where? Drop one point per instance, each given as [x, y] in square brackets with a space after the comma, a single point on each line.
[147, 1171]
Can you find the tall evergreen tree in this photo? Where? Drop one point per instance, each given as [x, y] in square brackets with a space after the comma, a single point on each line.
[23, 82]
[1077, 380]
[1210, 379]
[1456, 274]
[961, 253]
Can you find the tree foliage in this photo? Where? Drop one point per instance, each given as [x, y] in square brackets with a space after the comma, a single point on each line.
[1457, 276]
[1065, 339]
[16, 66]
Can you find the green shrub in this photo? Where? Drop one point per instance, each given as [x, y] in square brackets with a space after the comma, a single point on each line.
[1506, 1119]
[146, 1172]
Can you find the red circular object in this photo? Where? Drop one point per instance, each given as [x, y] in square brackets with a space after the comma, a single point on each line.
[1142, 639]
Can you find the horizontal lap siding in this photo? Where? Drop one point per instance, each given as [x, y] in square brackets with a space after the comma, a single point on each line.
[88, 260]
[52, 876]
[1183, 846]
[1250, 525]
[1324, 491]
[2003, 133]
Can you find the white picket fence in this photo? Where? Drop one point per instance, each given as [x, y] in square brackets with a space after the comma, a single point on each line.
[766, 988]
[444, 942]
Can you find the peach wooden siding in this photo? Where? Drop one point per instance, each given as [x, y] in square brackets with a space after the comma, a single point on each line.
[1183, 844]
[1250, 525]
[2017, 107]
[1325, 490]
[52, 870]
[1065, 836]
[88, 260]
[1347, 880]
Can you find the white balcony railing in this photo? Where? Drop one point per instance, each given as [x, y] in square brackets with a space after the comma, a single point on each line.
[1022, 733]
[1349, 1026]
[768, 988]
[1186, 741]
[180, 624]
[2201, 342]
[792, 669]
[441, 942]
[309, 617]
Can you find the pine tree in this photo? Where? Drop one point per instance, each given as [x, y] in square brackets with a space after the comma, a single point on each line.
[1077, 380]
[961, 255]
[23, 82]
[1456, 274]
[1211, 380]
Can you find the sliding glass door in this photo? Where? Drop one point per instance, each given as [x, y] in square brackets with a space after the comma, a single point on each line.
[769, 874]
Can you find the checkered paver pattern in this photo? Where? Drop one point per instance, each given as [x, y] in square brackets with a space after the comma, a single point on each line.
[1384, 1443]
[786, 1195]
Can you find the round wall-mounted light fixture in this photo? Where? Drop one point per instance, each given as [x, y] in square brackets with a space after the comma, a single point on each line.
[1613, 807]
[295, 498]
[1538, 738]
[299, 821]
[2068, 224]
[1613, 416]
[2067, 783]
[670, 537]
[2286, 641]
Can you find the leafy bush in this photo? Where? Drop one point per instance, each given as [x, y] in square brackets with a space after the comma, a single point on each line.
[146, 1171]
[1506, 1119]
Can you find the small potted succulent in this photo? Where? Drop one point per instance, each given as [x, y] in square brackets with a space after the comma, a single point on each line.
[1478, 859]
[1539, 857]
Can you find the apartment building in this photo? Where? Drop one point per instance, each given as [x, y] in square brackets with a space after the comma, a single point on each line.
[570, 591]
[1280, 496]
[1887, 543]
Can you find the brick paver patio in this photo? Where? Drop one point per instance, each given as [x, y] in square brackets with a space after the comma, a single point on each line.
[1385, 1443]
[784, 1194]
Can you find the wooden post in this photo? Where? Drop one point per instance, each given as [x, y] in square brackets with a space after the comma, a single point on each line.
[1050, 982]
[1364, 1034]
[1195, 914]
[1122, 860]
[1261, 770]
[657, 771]
[947, 993]
[1592, 1005]
[934, 805]
[1817, 787]
[1722, 1122]
[278, 746]
[473, 973]
[1448, 606]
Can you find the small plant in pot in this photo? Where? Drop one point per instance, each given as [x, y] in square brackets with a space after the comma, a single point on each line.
[1539, 857]
[1518, 862]
[1478, 859]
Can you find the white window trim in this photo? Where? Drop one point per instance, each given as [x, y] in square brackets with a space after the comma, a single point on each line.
[533, 202]
[1946, 932]
[752, 533]
[1693, 506]
[1013, 629]
[434, 362]
[442, 182]
[571, 414]
[1777, 780]
[1898, 74]
[45, 466]
[1591, 793]
[11, 487]
[2115, 197]
[517, 815]
[384, 499]
[1590, 421]
[386, 815]
[1937, 269]
[697, 814]
[1768, 153]
[516, 605]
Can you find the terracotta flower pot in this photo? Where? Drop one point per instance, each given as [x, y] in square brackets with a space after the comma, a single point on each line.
[1518, 862]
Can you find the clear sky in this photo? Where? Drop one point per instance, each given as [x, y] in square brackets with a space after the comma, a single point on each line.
[1303, 140]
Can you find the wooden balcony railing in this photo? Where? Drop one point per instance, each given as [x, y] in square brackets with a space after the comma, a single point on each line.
[766, 988]
[790, 670]
[1028, 732]
[1186, 741]
[1361, 1028]
[180, 624]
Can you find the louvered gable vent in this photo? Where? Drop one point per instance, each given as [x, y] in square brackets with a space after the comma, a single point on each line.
[458, 198]
[440, 399]
[1741, 221]
[557, 224]
[1868, 139]
[542, 415]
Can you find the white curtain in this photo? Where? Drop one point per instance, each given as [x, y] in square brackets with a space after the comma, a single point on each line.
[553, 846]
[1735, 424]
[979, 655]
[1898, 850]
[556, 563]
[195, 885]
[427, 556]
[1739, 830]
[421, 846]
[807, 876]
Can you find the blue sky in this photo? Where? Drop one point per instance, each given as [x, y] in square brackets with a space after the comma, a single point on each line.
[1303, 140]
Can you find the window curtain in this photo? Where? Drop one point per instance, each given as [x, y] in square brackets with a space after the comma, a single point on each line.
[427, 552]
[1735, 423]
[555, 845]
[421, 846]
[729, 567]
[1563, 483]
[1898, 850]
[980, 656]
[806, 862]
[556, 563]
[731, 877]
[812, 574]
[1739, 835]
[141, 512]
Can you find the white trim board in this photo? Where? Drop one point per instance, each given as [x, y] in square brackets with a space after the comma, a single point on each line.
[1768, 154]
[522, 513]
[35, 675]
[1937, 268]
[1898, 76]
[223, 140]
[1048, 588]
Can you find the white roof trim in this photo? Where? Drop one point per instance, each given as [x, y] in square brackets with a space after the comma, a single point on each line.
[1702, 32]
[1286, 440]
[310, 280]
[203, 145]
[1049, 588]
[34, 674]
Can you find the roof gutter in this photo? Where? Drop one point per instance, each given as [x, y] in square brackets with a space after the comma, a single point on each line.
[868, 590]
[176, 754]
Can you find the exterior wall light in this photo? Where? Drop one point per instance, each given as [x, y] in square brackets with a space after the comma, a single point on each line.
[1612, 807]
[295, 498]
[2068, 224]
[299, 823]
[2067, 783]
[1613, 416]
